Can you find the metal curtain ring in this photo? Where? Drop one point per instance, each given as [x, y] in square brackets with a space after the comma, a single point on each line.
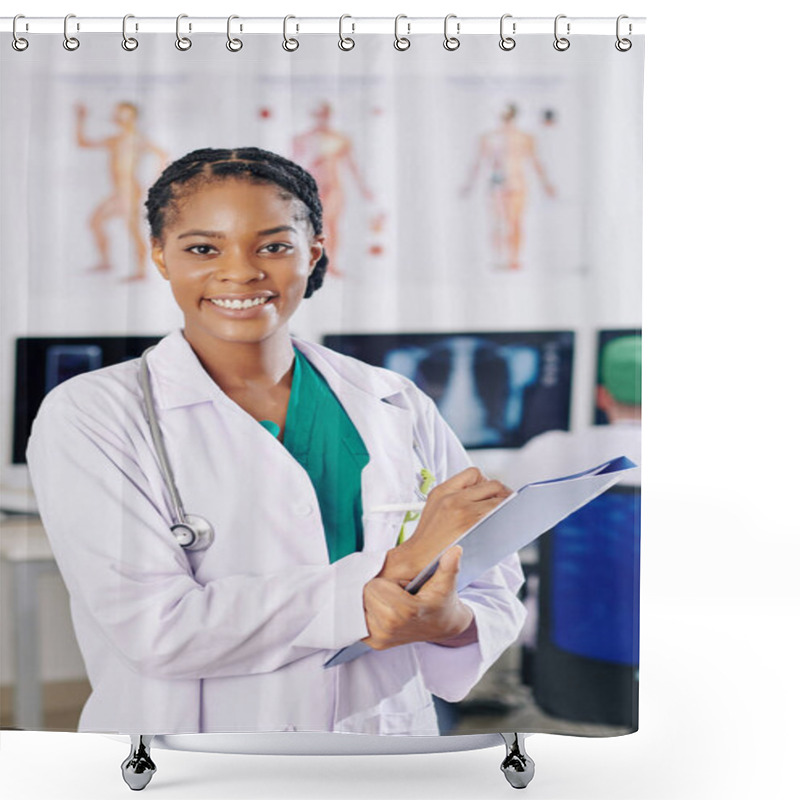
[623, 45]
[70, 42]
[345, 42]
[128, 42]
[18, 43]
[507, 42]
[561, 43]
[401, 42]
[182, 42]
[451, 42]
[290, 45]
[234, 45]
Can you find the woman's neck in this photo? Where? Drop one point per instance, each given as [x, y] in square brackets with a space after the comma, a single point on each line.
[238, 365]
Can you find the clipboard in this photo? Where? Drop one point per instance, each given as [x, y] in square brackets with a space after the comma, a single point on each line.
[520, 519]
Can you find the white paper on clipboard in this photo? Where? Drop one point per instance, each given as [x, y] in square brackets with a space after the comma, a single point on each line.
[519, 520]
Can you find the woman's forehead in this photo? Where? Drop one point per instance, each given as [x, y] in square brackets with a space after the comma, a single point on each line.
[230, 198]
[234, 190]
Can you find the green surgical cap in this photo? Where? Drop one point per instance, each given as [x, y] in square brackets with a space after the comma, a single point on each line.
[621, 369]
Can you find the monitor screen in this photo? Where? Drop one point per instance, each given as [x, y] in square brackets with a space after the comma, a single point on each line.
[493, 389]
[44, 362]
[604, 338]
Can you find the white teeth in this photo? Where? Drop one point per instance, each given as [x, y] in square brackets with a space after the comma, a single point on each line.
[249, 303]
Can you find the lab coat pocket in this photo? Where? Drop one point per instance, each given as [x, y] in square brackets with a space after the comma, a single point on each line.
[381, 529]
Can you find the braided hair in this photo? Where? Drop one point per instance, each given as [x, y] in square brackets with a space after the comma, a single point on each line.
[251, 164]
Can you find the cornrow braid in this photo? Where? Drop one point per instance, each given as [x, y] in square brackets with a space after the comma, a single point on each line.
[252, 164]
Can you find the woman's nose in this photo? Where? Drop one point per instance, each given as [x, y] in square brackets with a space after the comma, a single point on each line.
[239, 267]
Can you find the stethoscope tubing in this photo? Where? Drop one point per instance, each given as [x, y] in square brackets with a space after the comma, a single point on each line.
[177, 504]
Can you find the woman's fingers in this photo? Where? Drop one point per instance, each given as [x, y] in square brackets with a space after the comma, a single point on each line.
[470, 484]
[395, 617]
[391, 615]
[486, 489]
[461, 480]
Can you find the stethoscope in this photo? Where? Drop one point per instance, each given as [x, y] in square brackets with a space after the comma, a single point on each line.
[192, 531]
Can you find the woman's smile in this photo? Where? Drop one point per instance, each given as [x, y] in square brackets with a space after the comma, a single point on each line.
[244, 306]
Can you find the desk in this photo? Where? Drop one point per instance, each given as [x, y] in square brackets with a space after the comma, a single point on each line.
[24, 546]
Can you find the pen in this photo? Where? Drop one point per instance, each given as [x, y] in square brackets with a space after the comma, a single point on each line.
[409, 507]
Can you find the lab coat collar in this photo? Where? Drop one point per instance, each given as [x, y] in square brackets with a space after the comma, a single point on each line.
[180, 379]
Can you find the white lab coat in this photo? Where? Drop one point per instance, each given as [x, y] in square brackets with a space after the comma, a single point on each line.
[234, 638]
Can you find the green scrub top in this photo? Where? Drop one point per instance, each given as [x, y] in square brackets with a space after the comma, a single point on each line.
[321, 437]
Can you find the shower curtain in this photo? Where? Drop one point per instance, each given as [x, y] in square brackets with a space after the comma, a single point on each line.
[482, 222]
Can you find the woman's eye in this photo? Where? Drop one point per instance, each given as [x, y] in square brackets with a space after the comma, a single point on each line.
[277, 247]
[200, 249]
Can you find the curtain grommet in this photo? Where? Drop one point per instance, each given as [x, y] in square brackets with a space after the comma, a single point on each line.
[451, 42]
[507, 42]
[129, 43]
[233, 45]
[561, 43]
[346, 43]
[183, 43]
[70, 43]
[18, 42]
[401, 43]
[289, 44]
[623, 44]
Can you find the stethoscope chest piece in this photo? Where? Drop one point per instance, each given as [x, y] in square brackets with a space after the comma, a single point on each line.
[194, 533]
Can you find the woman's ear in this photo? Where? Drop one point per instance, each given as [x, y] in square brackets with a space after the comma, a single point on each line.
[157, 254]
[317, 249]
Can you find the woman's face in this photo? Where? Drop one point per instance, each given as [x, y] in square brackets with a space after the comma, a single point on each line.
[238, 259]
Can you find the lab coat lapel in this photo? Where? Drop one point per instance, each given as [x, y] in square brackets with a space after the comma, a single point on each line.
[387, 433]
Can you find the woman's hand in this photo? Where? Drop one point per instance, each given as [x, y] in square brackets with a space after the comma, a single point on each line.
[435, 614]
[452, 508]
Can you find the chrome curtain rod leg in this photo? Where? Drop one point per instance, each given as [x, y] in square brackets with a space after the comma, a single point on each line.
[517, 766]
[138, 768]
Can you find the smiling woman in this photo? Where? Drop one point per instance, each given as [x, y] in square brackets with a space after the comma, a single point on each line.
[282, 443]
[237, 247]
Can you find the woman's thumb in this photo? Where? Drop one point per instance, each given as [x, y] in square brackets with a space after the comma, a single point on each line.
[444, 578]
[452, 558]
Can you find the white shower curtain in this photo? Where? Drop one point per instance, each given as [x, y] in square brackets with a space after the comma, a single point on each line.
[482, 213]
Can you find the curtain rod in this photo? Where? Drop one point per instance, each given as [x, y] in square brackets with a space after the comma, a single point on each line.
[407, 26]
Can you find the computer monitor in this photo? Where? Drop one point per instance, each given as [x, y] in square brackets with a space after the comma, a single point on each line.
[45, 361]
[604, 337]
[496, 390]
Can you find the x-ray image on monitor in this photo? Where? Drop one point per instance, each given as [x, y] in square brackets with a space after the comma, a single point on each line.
[66, 361]
[494, 389]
